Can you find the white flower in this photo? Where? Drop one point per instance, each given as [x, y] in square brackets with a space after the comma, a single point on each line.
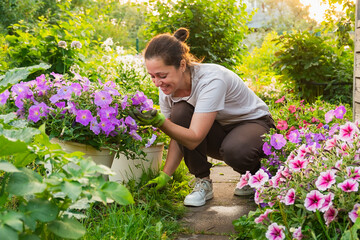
[120, 50]
[62, 44]
[108, 49]
[108, 42]
[106, 59]
[76, 44]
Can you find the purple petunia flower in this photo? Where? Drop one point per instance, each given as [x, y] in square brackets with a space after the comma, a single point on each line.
[151, 141]
[267, 148]
[107, 112]
[77, 88]
[34, 113]
[106, 125]
[147, 105]
[277, 141]
[103, 99]
[65, 92]
[135, 135]
[340, 112]
[94, 126]
[294, 136]
[138, 98]
[124, 102]
[4, 97]
[84, 117]
[131, 123]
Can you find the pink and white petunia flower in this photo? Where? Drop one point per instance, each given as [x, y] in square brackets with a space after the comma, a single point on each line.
[258, 179]
[297, 234]
[329, 116]
[330, 215]
[257, 198]
[353, 173]
[263, 216]
[243, 180]
[290, 197]
[325, 180]
[349, 185]
[327, 202]
[353, 213]
[297, 164]
[347, 131]
[314, 200]
[331, 143]
[275, 232]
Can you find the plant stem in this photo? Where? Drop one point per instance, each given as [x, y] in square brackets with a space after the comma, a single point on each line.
[283, 215]
[322, 224]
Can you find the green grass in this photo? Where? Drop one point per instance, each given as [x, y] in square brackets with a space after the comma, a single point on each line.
[155, 214]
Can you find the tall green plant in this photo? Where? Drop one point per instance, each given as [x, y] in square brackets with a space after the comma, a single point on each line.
[315, 65]
[217, 28]
[36, 205]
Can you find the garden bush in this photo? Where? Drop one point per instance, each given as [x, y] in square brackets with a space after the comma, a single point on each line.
[217, 28]
[316, 66]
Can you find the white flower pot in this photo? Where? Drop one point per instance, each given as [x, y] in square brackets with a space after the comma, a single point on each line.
[127, 169]
[101, 156]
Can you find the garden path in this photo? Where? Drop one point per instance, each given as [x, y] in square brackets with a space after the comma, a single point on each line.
[214, 220]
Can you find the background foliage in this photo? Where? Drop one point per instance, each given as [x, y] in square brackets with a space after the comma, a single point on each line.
[217, 28]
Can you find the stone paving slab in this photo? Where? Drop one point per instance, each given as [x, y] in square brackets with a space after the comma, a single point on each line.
[214, 220]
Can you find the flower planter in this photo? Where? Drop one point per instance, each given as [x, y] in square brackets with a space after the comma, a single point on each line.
[132, 169]
[101, 156]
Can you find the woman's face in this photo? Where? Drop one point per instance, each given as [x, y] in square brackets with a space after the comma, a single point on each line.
[168, 78]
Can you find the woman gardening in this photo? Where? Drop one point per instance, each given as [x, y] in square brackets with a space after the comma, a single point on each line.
[206, 110]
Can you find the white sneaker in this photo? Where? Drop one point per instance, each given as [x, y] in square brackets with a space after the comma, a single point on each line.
[245, 191]
[202, 192]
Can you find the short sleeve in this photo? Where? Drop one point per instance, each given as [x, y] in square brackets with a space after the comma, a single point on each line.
[211, 97]
[165, 105]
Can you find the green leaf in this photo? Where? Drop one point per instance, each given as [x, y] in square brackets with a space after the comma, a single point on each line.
[7, 233]
[25, 182]
[67, 228]
[8, 117]
[42, 210]
[351, 234]
[72, 189]
[13, 220]
[10, 147]
[28, 237]
[23, 159]
[23, 134]
[8, 167]
[15, 75]
[118, 192]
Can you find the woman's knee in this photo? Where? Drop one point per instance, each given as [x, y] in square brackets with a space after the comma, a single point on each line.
[243, 158]
[181, 113]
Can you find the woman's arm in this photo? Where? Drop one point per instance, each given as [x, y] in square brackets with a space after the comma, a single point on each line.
[173, 158]
[190, 137]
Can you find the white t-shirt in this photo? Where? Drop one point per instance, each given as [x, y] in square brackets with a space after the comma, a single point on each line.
[216, 89]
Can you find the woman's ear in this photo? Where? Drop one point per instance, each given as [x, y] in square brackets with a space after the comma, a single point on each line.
[183, 65]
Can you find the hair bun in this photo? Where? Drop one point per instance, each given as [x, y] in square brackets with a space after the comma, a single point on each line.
[181, 34]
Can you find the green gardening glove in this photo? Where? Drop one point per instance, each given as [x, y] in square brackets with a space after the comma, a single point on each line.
[152, 117]
[160, 181]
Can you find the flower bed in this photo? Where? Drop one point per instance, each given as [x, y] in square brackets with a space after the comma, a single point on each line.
[75, 109]
[309, 186]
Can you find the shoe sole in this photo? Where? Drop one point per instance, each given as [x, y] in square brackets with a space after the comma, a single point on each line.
[199, 204]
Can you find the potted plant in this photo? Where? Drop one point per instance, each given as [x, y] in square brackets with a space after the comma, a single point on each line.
[75, 109]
